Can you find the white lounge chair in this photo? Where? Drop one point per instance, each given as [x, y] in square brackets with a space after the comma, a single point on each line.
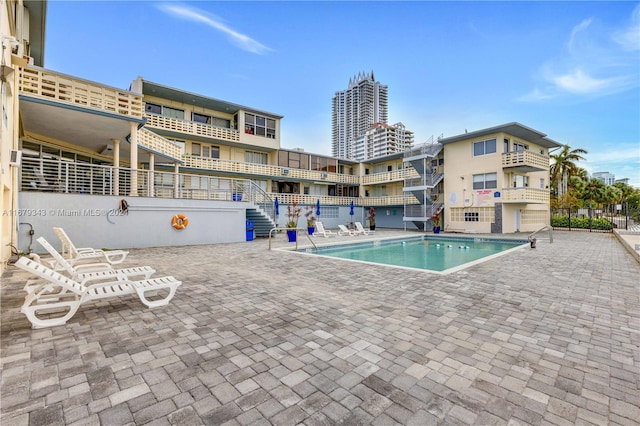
[346, 231]
[75, 254]
[362, 230]
[61, 293]
[86, 272]
[320, 230]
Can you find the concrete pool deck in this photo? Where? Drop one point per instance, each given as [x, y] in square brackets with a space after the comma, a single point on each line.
[549, 335]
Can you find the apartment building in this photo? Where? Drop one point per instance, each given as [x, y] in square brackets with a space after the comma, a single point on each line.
[86, 147]
[354, 110]
[382, 139]
[497, 180]
[606, 177]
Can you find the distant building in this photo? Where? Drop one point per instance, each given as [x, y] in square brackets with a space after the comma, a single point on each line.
[382, 139]
[606, 177]
[355, 110]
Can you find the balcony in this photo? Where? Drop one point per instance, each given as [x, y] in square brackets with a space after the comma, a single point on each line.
[525, 161]
[174, 125]
[265, 170]
[160, 145]
[525, 195]
[51, 86]
[387, 177]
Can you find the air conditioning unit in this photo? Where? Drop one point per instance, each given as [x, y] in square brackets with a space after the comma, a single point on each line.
[15, 157]
[284, 171]
[323, 175]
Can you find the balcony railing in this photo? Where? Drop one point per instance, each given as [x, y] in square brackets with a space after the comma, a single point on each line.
[385, 177]
[525, 159]
[44, 84]
[525, 195]
[192, 128]
[266, 170]
[83, 178]
[159, 144]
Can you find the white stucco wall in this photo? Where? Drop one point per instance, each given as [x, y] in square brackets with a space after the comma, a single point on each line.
[94, 221]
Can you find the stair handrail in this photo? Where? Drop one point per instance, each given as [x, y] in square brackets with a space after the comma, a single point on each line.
[277, 228]
[549, 227]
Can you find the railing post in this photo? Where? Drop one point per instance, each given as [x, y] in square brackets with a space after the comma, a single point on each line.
[116, 166]
[150, 174]
[133, 190]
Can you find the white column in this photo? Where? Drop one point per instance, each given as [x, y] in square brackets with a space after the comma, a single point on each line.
[176, 181]
[133, 191]
[151, 183]
[116, 166]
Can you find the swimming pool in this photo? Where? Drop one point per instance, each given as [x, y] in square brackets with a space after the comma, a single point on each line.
[435, 254]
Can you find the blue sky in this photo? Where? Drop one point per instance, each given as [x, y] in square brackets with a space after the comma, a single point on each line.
[568, 69]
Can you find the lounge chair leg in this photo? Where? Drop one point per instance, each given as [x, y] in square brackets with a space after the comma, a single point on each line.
[31, 314]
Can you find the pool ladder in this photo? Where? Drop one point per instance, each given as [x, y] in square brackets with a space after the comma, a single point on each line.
[532, 239]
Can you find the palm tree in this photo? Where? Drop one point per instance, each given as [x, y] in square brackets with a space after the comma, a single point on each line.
[564, 167]
[594, 190]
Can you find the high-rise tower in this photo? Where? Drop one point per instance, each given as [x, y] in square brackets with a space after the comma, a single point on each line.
[355, 110]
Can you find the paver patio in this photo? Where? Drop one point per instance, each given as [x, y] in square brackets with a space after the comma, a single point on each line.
[549, 335]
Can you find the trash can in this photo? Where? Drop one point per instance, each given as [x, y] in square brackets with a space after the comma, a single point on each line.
[251, 233]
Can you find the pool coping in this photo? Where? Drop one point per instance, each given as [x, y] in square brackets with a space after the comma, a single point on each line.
[304, 250]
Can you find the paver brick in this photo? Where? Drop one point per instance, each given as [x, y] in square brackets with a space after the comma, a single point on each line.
[554, 346]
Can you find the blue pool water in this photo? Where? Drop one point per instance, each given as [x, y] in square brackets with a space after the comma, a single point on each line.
[430, 253]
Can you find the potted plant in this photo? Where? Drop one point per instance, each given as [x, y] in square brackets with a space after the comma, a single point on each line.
[435, 220]
[311, 220]
[371, 216]
[293, 214]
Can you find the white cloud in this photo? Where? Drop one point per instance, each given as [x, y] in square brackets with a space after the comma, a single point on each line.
[629, 38]
[578, 81]
[596, 62]
[242, 41]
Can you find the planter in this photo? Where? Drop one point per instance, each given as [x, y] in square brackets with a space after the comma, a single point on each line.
[436, 229]
[372, 227]
[291, 234]
[311, 230]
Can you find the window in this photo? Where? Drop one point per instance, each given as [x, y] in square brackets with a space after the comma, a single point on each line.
[519, 146]
[485, 181]
[259, 125]
[471, 217]
[196, 149]
[256, 157]
[484, 147]
[542, 183]
[164, 110]
[153, 108]
[506, 146]
[201, 118]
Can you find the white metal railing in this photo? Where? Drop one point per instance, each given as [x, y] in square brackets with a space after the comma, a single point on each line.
[65, 176]
[423, 211]
[429, 149]
[38, 174]
[429, 180]
[40, 83]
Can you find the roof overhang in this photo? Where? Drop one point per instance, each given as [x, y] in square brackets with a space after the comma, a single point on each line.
[188, 98]
[514, 129]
